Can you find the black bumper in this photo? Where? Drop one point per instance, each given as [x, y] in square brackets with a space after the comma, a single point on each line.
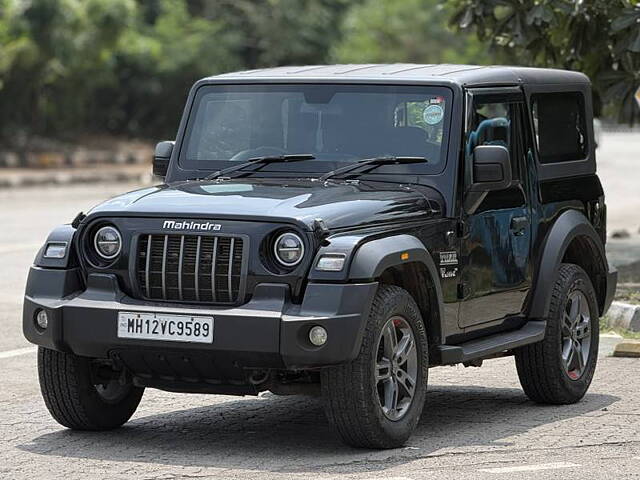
[267, 332]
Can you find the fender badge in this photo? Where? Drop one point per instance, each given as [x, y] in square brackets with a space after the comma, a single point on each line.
[448, 258]
[448, 272]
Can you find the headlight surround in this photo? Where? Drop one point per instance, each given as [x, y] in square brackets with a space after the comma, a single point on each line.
[288, 249]
[107, 242]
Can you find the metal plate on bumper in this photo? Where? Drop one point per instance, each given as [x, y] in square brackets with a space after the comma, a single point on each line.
[161, 326]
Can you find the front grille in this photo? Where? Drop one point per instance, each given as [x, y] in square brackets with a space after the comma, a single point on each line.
[190, 268]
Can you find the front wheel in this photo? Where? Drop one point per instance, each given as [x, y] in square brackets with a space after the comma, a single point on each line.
[74, 401]
[559, 369]
[376, 400]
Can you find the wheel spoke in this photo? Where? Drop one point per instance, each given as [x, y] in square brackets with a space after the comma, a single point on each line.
[390, 340]
[578, 352]
[567, 324]
[584, 331]
[404, 348]
[567, 350]
[383, 369]
[568, 355]
[574, 311]
[407, 381]
[391, 395]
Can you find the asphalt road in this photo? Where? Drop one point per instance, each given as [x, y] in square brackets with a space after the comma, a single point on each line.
[477, 422]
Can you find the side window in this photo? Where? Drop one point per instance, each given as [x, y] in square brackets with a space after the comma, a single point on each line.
[559, 124]
[493, 124]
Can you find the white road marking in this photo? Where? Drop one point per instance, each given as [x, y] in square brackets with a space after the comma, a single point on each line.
[530, 468]
[17, 352]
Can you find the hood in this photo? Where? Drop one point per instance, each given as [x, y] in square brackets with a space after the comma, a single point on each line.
[338, 204]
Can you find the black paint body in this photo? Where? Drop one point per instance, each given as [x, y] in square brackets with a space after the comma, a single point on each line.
[485, 260]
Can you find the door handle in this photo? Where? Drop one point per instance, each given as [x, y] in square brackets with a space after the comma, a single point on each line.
[519, 225]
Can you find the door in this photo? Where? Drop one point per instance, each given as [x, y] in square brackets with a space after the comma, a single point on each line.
[496, 227]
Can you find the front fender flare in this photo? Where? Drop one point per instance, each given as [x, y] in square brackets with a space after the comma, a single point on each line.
[61, 234]
[374, 257]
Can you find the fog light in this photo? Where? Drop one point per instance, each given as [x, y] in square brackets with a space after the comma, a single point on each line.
[318, 336]
[42, 320]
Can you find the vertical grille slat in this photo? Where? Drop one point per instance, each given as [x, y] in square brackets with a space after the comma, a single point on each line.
[230, 271]
[214, 256]
[190, 268]
[197, 272]
[180, 294]
[148, 266]
[164, 267]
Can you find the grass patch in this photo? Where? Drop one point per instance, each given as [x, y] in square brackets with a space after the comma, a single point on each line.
[605, 328]
[628, 295]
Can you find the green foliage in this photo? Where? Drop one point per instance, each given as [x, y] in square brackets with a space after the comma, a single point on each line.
[598, 37]
[125, 66]
[70, 67]
[413, 31]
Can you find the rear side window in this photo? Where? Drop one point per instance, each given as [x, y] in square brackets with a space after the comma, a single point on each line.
[560, 127]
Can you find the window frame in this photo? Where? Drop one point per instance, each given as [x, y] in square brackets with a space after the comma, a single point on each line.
[307, 168]
[483, 96]
[582, 117]
[574, 168]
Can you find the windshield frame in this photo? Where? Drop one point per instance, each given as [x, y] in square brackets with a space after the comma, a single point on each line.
[314, 168]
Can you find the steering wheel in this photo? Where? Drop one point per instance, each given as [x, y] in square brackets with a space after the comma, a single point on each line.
[257, 152]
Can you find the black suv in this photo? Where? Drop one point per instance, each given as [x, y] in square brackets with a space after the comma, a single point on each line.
[337, 230]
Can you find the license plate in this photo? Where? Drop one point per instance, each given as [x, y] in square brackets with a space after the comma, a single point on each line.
[161, 326]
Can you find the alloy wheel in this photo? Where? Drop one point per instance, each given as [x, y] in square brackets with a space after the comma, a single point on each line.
[396, 368]
[576, 335]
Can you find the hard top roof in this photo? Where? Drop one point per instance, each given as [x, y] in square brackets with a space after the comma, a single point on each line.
[466, 75]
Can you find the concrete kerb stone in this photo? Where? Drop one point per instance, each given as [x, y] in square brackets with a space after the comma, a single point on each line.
[624, 315]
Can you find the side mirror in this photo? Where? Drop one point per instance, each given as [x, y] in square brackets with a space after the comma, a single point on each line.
[491, 168]
[161, 158]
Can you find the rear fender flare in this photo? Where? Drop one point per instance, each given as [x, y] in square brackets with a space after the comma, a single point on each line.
[566, 228]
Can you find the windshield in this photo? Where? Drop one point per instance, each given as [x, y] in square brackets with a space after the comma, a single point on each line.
[337, 124]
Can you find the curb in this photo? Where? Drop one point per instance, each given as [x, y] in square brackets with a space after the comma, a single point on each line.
[627, 348]
[70, 178]
[624, 315]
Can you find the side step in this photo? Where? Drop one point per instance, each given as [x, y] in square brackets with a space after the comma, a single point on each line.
[531, 332]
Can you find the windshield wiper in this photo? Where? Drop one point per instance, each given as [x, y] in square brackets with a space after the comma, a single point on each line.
[375, 161]
[296, 157]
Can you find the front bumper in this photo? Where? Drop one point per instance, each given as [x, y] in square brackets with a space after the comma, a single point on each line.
[267, 332]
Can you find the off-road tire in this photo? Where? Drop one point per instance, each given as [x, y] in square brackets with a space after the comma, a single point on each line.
[350, 392]
[71, 397]
[540, 367]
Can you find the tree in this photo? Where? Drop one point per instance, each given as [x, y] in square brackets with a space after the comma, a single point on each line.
[414, 31]
[278, 32]
[598, 37]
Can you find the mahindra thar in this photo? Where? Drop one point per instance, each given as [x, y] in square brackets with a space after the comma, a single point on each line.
[337, 231]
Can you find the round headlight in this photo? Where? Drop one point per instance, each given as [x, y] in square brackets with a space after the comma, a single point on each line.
[289, 249]
[108, 242]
